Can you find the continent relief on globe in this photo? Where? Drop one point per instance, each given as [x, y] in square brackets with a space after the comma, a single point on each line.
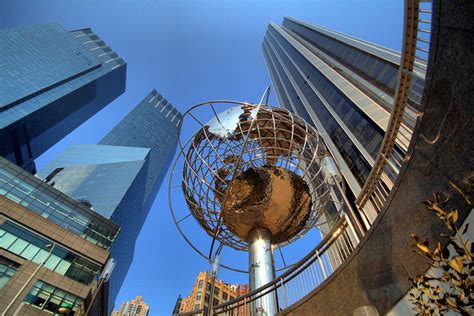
[266, 197]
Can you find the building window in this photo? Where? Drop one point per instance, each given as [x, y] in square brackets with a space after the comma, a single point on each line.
[225, 297]
[47, 297]
[29, 246]
[201, 282]
[198, 298]
[19, 186]
[7, 270]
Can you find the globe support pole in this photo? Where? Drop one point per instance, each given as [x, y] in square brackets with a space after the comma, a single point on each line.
[262, 270]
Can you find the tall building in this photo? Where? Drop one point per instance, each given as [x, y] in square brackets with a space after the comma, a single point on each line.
[51, 81]
[54, 251]
[345, 87]
[201, 293]
[135, 307]
[177, 305]
[120, 177]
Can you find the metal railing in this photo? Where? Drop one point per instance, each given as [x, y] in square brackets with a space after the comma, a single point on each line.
[302, 278]
[389, 161]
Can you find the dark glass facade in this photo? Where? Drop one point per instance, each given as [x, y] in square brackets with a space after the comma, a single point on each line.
[51, 81]
[81, 169]
[151, 124]
[120, 176]
[342, 85]
[366, 65]
[369, 66]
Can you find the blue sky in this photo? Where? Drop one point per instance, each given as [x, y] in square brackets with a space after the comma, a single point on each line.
[190, 51]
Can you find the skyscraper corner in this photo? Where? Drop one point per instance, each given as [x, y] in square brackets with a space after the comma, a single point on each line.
[51, 82]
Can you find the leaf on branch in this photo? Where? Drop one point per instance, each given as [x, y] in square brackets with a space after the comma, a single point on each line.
[461, 295]
[468, 245]
[453, 216]
[451, 302]
[456, 264]
[438, 209]
[466, 198]
[423, 247]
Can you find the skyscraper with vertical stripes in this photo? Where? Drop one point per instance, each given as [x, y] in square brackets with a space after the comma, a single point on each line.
[345, 87]
[120, 176]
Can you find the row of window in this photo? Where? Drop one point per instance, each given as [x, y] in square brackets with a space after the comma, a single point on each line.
[367, 132]
[377, 71]
[17, 187]
[216, 298]
[350, 153]
[380, 73]
[50, 298]
[31, 247]
[42, 295]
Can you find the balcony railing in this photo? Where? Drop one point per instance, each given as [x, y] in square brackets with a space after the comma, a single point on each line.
[417, 30]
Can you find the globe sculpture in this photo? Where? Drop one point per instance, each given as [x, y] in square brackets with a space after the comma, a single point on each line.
[252, 178]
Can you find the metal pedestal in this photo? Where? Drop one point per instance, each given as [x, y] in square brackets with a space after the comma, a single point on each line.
[262, 271]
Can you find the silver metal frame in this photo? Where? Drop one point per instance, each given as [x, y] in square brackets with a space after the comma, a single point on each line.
[277, 136]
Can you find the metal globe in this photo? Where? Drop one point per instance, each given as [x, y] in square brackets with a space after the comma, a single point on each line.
[254, 166]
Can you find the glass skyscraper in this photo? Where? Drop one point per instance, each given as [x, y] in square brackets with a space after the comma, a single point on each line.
[120, 177]
[345, 87]
[51, 81]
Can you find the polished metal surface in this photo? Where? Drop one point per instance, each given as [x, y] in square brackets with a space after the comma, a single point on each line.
[237, 139]
[262, 271]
